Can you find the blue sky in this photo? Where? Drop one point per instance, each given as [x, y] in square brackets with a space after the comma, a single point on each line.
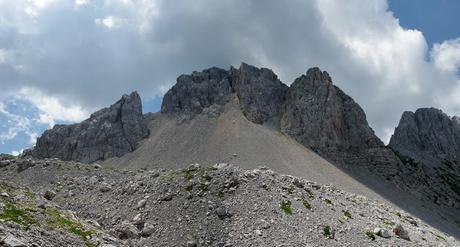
[61, 60]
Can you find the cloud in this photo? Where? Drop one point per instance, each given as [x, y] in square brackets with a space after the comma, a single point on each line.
[446, 56]
[70, 57]
[111, 22]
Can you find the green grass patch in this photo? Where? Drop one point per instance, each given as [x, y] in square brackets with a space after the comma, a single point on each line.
[370, 235]
[306, 204]
[18, 215]
[347, 214]
[328, 201]
[327, 232]
[286, 207]
[220, 194]
[291, 190]
[169, 175]
[397, 213]
[310, 194]
[189, 187]
[59, 222]
[389, 222]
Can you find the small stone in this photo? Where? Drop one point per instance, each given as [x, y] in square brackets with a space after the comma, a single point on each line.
[381, 232]
[399, 231]
[222, 212]
[97, 166]
[138, 220]
[126, 231]
[105, 188]
[4, 194]
[141, 203]
[148, 230]
[258, 232]
[41, 203]
[49, 195]
[191, 243]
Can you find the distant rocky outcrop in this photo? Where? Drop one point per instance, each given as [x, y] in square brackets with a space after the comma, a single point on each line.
[428, 136]
[109, 132]
[428, 143]
[321, 116]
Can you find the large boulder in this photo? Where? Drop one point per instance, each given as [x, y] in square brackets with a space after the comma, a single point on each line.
[109, 132]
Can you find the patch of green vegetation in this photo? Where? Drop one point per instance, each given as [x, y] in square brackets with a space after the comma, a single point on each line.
[370, 235]
[328, 201]
[347, 214]
[220, 194]
[188, 175]
[286, 207]
[389, 222]
[20, 216]
[189, 187]
[29, 194]
[327, 232]
[59, 222]
[397, 213]
[306, 204]
[206, 176]
[169, 175]
[204, 187]
[291, 190]
[310, 194]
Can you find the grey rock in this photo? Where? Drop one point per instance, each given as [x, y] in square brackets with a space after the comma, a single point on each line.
[321, 116]
[222, 212]
[49, 195]
[428, 136]
[382, 232]
[148, 230]
[399, 231]
[261, 94]
[4, 163]
[259, 91]
[11, 241]
[141, 203]
[126, 231]
[191, 243]
[109, 132]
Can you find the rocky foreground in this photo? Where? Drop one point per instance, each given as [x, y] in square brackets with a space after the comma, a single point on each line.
[56, 203]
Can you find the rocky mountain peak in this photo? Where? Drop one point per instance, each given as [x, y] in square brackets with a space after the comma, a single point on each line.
[427, 135]
[321, 116]
[109, 132]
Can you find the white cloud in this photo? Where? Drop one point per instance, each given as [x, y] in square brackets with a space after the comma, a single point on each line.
[16, 152]
[446, 56]
[34, 7]
[15, 124]
[82, 2]
[386, 68]
[111, 22]
[51, 108]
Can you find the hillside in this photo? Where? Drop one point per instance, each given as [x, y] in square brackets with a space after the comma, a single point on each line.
[57, 203]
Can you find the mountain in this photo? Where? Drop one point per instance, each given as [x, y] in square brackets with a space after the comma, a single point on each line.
[109, 132]
[428, 143]
[248, 117]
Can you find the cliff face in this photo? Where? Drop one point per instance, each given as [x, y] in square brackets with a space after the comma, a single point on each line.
[109, 132]
[428, 136]
[312, 110]
[260, 92]
[428, 143]
[321, 116]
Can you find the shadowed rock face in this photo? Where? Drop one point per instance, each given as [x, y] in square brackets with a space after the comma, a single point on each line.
[428, 136]
[321, 116]
[260, 92]
[109, 132]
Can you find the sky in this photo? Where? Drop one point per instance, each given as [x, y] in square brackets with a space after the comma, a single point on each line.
[60, 60]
